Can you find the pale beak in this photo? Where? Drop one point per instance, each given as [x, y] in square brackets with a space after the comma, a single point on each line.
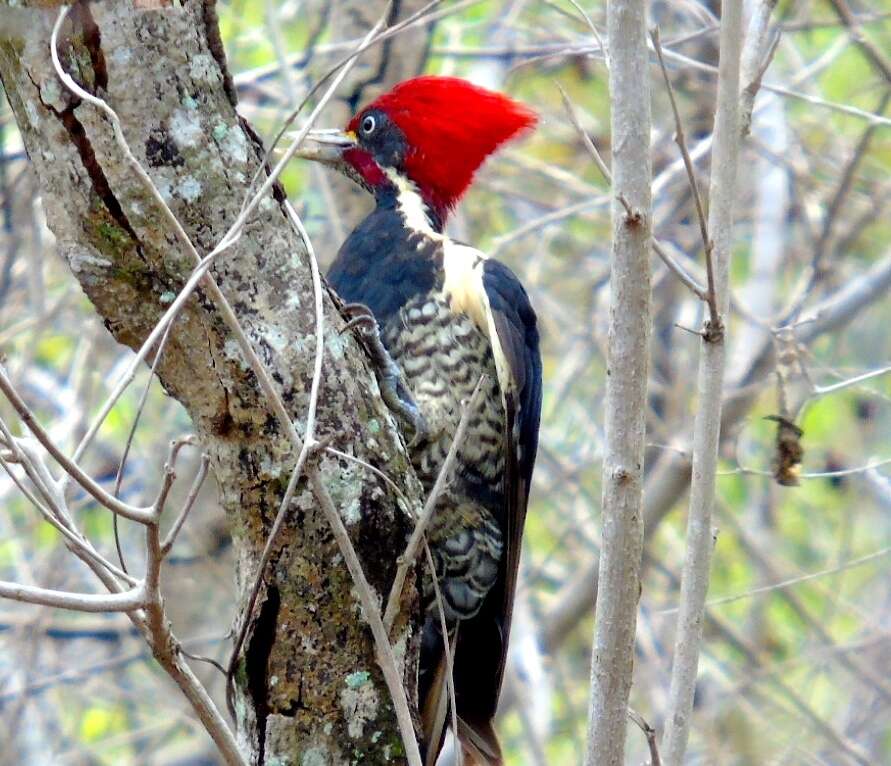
[325, 145]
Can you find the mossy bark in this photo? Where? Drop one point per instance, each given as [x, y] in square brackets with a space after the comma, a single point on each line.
[309, 688]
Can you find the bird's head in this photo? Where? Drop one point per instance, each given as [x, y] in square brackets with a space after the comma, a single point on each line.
[432, 131]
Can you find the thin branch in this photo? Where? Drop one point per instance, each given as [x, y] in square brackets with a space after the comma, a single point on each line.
[127, 601]
[140, 515]
[755, 61]
[875, 56]
[597, 37]
[871, 466]
[649, 732]
[406, 560]
[130, 436]
[197, 483]
[659, 248]
[681, 141]
[583, 134]
[855, 381]
[371, 608]
[309, 443]
[397, 490]
[852, 564]
[78, 544]
[707, 424]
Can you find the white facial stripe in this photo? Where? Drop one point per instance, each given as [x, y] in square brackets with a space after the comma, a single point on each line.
[410, 203]
[463, 286]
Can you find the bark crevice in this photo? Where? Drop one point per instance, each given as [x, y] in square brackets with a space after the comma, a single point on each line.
[257, 663]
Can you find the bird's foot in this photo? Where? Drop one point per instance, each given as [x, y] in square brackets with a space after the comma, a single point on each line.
[394, 390]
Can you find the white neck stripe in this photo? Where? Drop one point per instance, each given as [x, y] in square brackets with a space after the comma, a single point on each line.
[411, 205]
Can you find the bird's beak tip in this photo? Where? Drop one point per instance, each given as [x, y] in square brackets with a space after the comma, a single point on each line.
[332, 137]
[325, 145]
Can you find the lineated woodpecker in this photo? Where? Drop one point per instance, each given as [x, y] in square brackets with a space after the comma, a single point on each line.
[448, 314]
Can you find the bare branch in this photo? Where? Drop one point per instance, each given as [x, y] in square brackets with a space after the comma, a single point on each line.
[371, 608]
[626, 388]
[649, 732]
[141, 515]
[81, 602]
[198, 482]
[707, 243]
[406, 560]
[792, 581]
[707, 424]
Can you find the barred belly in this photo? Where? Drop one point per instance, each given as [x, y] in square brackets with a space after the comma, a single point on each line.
[442, 355]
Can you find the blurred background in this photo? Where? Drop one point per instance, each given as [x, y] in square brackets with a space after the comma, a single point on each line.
[797, 646]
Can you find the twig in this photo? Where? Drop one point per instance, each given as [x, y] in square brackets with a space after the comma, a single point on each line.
[140, 515]
[594, 31]
[659, 248]
[875, 56]
[376, 471]
[583, 134]
[406, 560]
[649, 733]
[197, 483]
[370, 607]
[309, 443]
[694, 187]
[75, 541]
[130, 436]
[855, 381]
[126, 601]
[852, 564]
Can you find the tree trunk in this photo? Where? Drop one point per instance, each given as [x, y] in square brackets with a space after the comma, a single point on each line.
[309, 689]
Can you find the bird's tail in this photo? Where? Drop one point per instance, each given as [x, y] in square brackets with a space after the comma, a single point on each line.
[477, 742]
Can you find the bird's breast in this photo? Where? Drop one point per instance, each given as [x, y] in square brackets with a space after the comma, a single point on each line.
[443, 354]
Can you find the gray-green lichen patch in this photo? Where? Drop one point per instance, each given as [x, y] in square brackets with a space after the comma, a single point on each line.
[81, 260]
[346, 491]
[51, 94]
[203, 67]
[315, 756]
[336, 345]
[121, 55]
[360, 706]
[185, 128]
[189, 188]
[33, 114]
[357, 679]
[234, 146]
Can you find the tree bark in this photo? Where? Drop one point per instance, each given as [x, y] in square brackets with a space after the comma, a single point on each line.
[309, 689]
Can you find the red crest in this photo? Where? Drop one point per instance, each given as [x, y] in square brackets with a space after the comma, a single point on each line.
[451, 126]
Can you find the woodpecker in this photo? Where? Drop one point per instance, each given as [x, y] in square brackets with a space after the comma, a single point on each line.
[448, 317]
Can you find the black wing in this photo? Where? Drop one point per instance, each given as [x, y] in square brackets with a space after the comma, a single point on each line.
[515, 326]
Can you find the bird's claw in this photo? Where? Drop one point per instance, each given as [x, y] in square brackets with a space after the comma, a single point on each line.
[394, 391]
[400, 401]
[361, 317]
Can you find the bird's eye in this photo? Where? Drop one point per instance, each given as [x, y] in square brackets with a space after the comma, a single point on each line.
[368, 125]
